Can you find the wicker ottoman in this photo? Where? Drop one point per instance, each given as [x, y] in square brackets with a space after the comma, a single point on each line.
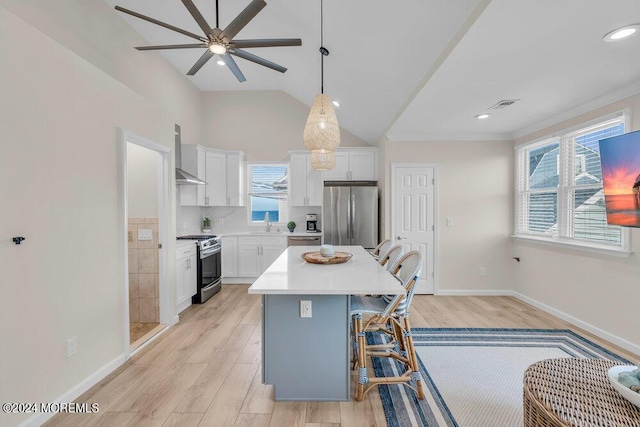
[575, 392]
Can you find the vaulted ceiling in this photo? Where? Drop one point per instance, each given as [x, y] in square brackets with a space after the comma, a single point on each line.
[422, 69]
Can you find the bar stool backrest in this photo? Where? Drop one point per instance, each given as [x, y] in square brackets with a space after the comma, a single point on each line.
[390, 258]
[382, 247]
[407, 270]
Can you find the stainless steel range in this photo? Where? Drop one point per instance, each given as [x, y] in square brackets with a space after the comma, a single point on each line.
[209, 266]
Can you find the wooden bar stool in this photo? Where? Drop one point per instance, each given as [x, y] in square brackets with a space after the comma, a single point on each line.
[389, 315]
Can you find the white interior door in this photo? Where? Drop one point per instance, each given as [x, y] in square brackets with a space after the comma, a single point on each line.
[413, 216]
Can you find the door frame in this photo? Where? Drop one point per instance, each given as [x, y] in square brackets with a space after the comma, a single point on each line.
[392, 228]
[166, 309]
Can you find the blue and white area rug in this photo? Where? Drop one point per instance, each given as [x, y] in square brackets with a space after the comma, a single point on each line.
[473, 377]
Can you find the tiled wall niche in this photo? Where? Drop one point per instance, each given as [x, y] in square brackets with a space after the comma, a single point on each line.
[143, 271]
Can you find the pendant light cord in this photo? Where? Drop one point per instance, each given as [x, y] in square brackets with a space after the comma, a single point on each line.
[321, 47]
[217, 16]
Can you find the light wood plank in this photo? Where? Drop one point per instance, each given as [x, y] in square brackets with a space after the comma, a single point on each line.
[290, 414]
[156, 411]
[206, 387]
[226, 406]
[183, 420]
[253, 420]
[259, 398]
[323, 412]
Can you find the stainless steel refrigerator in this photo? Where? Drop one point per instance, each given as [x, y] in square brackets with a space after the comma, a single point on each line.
[350, 213]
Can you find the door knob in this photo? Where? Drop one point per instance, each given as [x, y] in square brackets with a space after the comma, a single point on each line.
[400, 238]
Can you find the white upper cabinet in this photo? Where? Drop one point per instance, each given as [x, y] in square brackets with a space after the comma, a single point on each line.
[305, 183]
[221, 170]
[216, 173]
[235, 179]
[354, 164]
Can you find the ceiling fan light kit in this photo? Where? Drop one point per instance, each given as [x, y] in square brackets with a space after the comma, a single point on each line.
[322, 132]
[220, 42]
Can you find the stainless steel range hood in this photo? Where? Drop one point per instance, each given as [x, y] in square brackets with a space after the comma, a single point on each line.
[183, 177]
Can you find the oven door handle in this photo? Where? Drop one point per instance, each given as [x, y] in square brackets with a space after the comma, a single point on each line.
[208, 252]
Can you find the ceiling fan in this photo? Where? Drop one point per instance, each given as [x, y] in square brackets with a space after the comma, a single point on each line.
[221, 42]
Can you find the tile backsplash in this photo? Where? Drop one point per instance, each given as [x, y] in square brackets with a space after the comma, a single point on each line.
[143, 270]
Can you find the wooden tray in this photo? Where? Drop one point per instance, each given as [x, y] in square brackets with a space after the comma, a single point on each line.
[316, 258]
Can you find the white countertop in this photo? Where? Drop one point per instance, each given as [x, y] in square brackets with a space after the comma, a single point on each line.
[260, 233]
[272, 233]
[292, 275]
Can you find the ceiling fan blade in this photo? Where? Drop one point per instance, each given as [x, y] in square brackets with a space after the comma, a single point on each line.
[203, 60]
[265, 43]
[261, 61]
[193, 10]
[162, 24]
[231, 63]
[172, 46]
[243, 19]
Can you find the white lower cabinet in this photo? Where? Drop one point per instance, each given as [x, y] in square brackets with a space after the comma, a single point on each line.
[257, 253]
[229, 256]
[186, 276]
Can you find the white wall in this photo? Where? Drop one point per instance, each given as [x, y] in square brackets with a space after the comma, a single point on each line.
[61, 117]
[143, 172]
[474, 188]
[263, 124]
[94, 31]
[600, 290]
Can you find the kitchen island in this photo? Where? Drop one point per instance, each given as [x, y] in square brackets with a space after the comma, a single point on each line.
[307, 358]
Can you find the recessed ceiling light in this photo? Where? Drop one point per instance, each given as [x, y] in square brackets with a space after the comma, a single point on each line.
[621, 33]
[220, 62]
[483, 116]
[336, 102]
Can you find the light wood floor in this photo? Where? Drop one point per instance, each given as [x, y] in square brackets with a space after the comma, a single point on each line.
[206, 370]
[139, 330]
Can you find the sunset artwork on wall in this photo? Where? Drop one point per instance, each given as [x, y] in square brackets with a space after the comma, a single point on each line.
[620, 158]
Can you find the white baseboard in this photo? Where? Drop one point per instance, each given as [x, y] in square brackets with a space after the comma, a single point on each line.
[614, 339]
[74, 392]
[469, 292]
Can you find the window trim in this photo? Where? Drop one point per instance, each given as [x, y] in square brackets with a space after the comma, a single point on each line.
[564, 189]
[281, 221]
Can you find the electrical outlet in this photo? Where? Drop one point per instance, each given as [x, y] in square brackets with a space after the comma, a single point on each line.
[145, 234]
[220, 221]
[483, 271]
[305, 308]
[72, 346]
[449, 222]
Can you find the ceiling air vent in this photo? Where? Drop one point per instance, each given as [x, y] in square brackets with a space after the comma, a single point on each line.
[503, 104]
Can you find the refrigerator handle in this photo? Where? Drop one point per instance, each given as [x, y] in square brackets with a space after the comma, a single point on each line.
[353, 215]
[349, 217]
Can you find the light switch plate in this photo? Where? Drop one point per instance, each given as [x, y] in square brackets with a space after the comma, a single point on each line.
[145, 234]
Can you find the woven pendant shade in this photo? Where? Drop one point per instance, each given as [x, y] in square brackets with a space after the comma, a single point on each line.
[323, 160]
[322, 131]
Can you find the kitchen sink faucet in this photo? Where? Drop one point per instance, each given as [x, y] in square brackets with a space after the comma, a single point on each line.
[266, 221]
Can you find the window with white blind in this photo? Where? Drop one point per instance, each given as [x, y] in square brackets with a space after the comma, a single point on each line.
[267, 192]
[559, 195]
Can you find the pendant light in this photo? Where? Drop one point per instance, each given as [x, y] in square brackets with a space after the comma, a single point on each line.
[322, 132]
[323, 161]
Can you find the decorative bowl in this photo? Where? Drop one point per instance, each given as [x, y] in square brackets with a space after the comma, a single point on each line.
[625, 391]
